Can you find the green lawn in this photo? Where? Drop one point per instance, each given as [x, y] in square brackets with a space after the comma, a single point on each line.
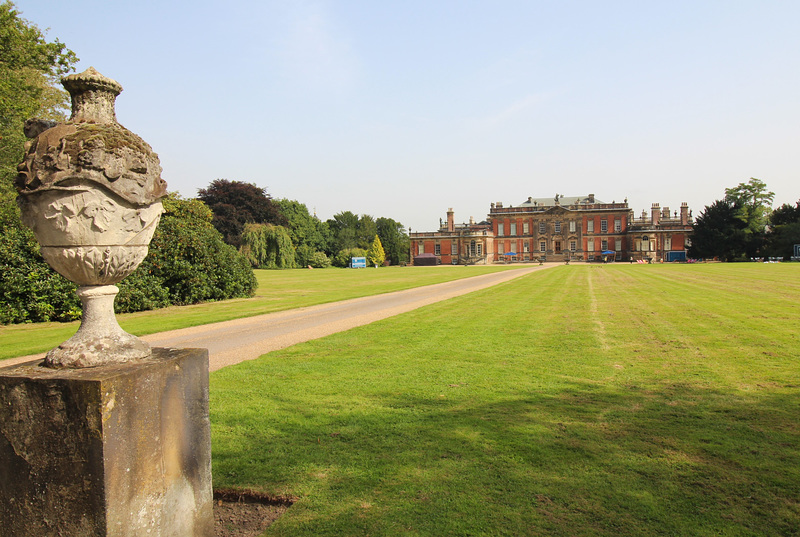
[582, 400]
[277, 290]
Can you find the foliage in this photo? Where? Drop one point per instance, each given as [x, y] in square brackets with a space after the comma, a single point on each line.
[447, 421]
[342, 258]
[188, 261]
[753, 202]
[375, 255]
[784, 231]
[29, 65]
[30, 291]
[719, 232]
[394, 239]
[304, 229]
[267, 246]
[343, 227]
[319, 260]
[235, 204]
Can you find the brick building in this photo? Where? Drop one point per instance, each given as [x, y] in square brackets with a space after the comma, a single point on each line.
[559, 229]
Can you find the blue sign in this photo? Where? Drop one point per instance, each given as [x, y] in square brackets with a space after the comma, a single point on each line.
[797, 250]
[358, 262]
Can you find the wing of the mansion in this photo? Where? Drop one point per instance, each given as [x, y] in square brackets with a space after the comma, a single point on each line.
[560, 228]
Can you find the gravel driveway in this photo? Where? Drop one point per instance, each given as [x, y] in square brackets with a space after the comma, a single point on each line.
[231, 342]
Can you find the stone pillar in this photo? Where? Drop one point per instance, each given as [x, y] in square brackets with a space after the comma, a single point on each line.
[119, 450]
[451, 223]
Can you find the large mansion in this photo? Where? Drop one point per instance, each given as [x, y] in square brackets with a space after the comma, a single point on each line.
[558, 229]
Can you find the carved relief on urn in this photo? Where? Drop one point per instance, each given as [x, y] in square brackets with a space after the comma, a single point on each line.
[90, 190]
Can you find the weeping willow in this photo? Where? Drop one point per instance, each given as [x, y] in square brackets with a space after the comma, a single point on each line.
[268, 246]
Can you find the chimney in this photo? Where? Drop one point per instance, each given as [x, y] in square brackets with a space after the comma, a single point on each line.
[684, 214]
[451, 225]
[471, 221]
[591, 198]
[654, 210]
[665, 213]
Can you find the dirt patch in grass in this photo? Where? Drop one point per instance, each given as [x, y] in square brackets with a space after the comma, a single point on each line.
[245, 513]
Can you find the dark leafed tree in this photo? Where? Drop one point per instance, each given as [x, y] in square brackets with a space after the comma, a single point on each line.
[784, 231]
[754, 204]
[235, 203]
[720, 232]
[394, 239]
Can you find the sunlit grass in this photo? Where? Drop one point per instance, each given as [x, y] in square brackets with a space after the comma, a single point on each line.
[583, 400]
[277, 290]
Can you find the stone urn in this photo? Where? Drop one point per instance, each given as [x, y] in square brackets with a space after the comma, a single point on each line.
[90, 190]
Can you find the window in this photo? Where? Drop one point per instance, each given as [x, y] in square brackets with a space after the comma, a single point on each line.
[604, 245]
[557, 246]
[543, 246]
[558, 227]
[525, 228]
[480, 249]
[500, 249]
[617, 225]
[542, 229]
[420, 248]
[500, 230]
[525, 246]
[472, 248]
[453, 248]
[668, 243]
[437, 249]
[590, 245]
[513, 229]
[618, 245]
[604, 226]
[590, 226]
[573, 245]
[572, 226]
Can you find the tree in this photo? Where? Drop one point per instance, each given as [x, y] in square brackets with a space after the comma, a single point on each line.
[308, 233]
[719, 232]
[394, 240]
[754, 203]
[343, 227]
[268, 246]
[375, 255]
[784, 231]
[235, 204]
[29, 67]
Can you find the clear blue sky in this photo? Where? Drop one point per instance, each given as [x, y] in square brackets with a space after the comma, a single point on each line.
[403, 109]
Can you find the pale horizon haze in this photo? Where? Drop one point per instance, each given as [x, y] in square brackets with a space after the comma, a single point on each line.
[404, 109]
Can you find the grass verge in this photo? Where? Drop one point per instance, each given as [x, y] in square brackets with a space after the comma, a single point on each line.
[585, 400]
[277, 290]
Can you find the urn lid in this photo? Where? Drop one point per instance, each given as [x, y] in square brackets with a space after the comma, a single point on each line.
[92, 148]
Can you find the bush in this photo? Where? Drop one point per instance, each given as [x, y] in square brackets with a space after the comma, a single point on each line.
[342, 258]
[30, 291]
[190, 261]
[319, 260]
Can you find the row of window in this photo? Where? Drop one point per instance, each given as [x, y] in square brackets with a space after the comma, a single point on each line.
[474, 248]
[512, 231]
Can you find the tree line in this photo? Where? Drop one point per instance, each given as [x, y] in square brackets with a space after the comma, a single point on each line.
[282, 233]
[743, 226]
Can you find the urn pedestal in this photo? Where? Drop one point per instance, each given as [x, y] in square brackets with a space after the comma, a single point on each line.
[106, 437]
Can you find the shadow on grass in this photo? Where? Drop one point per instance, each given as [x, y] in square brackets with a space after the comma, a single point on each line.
[584, 459]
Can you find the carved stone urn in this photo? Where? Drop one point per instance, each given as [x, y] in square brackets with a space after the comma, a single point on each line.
[90, 190]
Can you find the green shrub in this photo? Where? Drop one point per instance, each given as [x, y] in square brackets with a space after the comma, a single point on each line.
[319, 260]
[342, 258]
[30, 291]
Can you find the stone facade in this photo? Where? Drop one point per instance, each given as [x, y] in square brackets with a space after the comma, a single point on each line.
[577, 228]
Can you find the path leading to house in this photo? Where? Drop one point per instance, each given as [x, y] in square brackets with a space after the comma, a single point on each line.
[231, 342]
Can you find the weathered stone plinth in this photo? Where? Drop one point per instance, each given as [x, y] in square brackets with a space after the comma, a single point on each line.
[119, 450]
